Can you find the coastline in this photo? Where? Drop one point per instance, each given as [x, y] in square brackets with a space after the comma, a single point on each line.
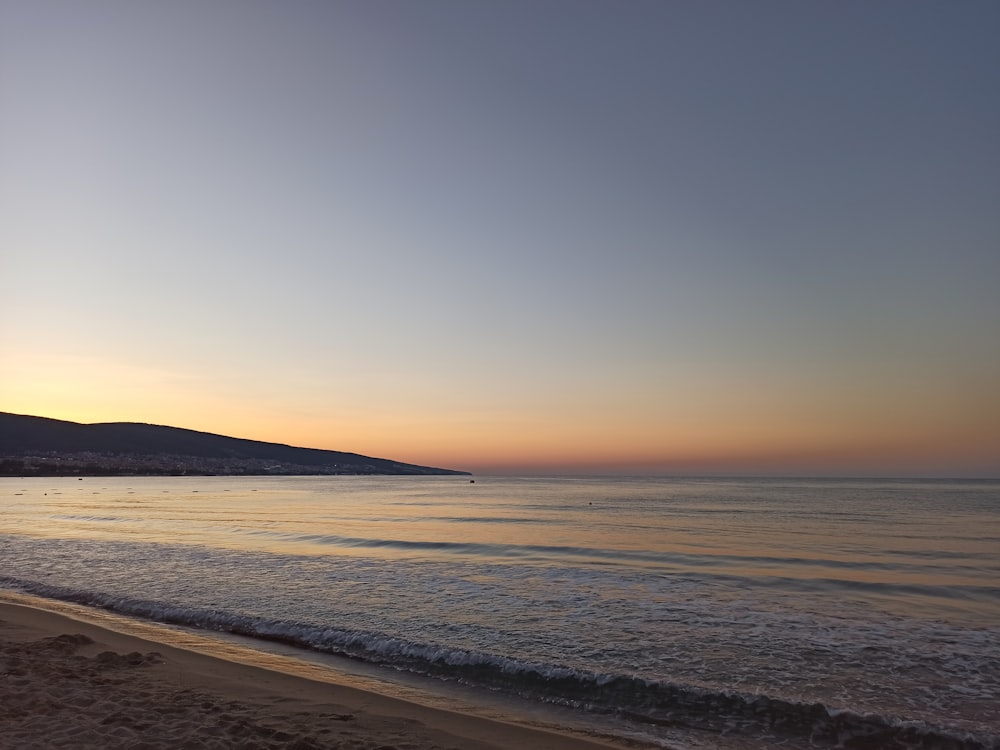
[632, 611]
[70, 681]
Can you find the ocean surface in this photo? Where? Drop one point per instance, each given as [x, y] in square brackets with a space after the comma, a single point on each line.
[684, 612]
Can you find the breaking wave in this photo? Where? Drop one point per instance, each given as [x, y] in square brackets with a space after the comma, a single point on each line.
[654, 702]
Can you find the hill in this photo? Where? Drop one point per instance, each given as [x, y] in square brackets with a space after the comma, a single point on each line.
[39, 446]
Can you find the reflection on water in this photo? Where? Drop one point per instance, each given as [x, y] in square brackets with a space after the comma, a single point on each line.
[877, 596]
[919, 536]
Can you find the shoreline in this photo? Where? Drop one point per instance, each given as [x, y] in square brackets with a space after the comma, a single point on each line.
[68, 680]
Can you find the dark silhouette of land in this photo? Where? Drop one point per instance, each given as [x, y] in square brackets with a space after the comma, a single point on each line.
[38, 446]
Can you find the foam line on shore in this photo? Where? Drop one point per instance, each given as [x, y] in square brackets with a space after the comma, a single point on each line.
[69, 679]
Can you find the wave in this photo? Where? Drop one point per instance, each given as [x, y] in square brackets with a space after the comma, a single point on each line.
[698, 567]
[96, 519]
[653, 702]
[624, 555]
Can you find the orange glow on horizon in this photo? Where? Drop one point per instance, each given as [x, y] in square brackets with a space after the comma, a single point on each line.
[738, 434]
[556, 451]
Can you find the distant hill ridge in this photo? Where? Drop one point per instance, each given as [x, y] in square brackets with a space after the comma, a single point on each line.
[41, 446]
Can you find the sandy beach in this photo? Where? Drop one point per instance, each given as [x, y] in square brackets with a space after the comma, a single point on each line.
[66, 682]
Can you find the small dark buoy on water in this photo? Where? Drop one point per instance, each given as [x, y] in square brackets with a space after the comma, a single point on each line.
[472, 481]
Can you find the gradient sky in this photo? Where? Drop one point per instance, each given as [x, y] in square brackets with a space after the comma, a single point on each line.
[539, 235]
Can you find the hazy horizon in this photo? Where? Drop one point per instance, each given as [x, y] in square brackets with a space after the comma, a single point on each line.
[585, 471]
[698, 238]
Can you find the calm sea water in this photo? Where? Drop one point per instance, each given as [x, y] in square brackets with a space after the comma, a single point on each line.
[817, 613]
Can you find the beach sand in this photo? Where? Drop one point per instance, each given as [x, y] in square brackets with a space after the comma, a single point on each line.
[67, 682]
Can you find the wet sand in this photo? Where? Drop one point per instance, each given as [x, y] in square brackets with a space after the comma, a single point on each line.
[70, 683]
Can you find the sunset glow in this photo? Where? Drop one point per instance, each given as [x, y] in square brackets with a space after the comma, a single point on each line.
[505, 239]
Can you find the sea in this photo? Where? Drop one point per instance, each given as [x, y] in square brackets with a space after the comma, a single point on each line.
[673, 612]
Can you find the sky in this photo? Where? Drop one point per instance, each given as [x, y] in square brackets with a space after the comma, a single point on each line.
[528, 236]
